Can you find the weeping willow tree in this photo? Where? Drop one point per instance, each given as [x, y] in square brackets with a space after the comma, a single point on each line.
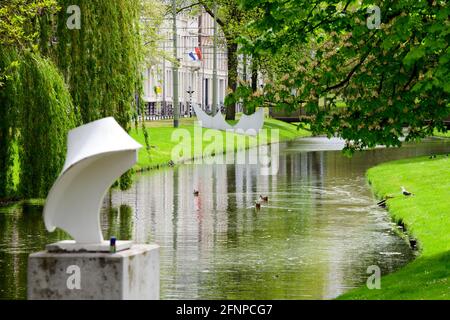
[53, 78]
[36, 115]
[35, 105]
[8, 116]
[101, 60]
[46, 116]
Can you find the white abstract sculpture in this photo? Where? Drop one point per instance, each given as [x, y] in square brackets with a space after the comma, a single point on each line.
[97, 154]
[249, 125]
[254, 122]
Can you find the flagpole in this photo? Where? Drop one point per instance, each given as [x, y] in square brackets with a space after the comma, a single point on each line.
[203, 81]
[215, 87]
[163, 106]
[175, 100]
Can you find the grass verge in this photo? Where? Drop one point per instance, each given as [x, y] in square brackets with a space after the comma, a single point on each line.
[442, 135]
[427, 218]
[160, 136]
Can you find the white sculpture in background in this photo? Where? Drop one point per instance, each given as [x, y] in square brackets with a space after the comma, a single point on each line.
[249, 125]
[98, 153]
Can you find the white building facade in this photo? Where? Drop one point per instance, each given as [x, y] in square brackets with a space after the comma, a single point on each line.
[195, 36]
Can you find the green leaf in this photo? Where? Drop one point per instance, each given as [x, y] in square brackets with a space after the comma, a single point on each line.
[414, 55]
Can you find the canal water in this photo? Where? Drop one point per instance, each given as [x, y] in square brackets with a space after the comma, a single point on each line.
[314, 239]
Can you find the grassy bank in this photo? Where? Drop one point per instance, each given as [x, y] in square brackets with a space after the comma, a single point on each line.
[160, 133]
[427, 218]
[443, 135]
[160, 137]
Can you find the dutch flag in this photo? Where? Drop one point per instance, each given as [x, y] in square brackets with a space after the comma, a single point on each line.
[193, 56]
[197, 55]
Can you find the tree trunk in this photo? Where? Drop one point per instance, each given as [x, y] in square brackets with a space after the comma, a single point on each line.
[244, 78]
[232, 75]
[254, 74]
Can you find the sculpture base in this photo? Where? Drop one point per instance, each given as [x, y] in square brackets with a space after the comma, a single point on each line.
[127, 275]
[72, 246]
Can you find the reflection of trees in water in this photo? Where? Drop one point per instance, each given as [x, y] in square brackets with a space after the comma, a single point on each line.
[214, 245]
[246, 265]
[22, 232]
[126, 222]
[176, 199]
[119, 222]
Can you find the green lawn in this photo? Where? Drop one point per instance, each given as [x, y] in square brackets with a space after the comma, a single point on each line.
[427, 218]
[160, 133]
[441, 134]
[160, 137]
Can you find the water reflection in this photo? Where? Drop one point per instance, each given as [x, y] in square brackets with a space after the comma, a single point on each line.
[119, 222]
[22, 231]
[314, 239]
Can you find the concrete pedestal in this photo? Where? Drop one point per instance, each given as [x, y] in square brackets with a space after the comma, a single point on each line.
[127, 275]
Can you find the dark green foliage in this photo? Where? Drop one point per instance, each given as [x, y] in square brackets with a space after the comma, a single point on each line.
[126, 180]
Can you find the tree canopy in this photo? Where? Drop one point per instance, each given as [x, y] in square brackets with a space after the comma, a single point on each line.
[376, 80]
[57, 73]
[232, 18]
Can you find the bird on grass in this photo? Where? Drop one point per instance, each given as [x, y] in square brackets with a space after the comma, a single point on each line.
[264, 199]
[413, 243]
[433, 156]
[196, 193]
[382, 203]
[406, 193]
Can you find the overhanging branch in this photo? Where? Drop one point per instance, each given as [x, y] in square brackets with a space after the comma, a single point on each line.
[211, 13]
[188, 7]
